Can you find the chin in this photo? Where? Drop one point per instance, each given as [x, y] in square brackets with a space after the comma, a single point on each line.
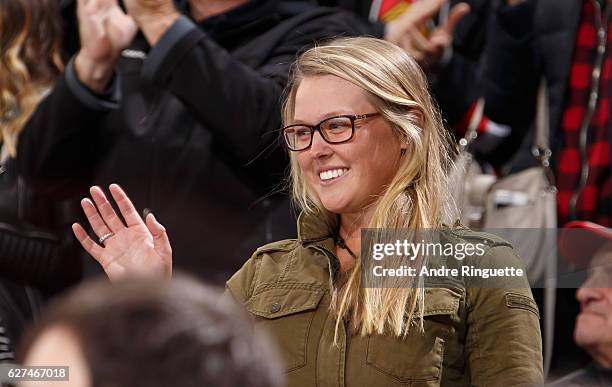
[584, 339]
[334, 207]
[337, 204]
[587, 329]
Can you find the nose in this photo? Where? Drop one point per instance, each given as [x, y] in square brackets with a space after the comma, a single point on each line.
[319, 147]
[588, 291]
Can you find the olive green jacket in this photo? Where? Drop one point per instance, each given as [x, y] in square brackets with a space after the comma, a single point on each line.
[472, 336]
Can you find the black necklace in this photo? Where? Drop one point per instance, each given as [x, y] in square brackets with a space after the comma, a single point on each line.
[342, 244]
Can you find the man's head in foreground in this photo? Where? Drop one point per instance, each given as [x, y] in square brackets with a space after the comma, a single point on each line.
[593, 330]
[150, 333]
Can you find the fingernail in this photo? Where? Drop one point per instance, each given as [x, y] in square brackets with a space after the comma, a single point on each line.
[145, 212]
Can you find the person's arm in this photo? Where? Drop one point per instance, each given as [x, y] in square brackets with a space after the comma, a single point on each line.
[236, 102]
[239, 102]
[104, 30]
[58, 144]
[61, 138]
[430, 47]
[503, 342]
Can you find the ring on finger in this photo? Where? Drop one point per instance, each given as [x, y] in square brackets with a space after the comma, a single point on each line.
[105, 237]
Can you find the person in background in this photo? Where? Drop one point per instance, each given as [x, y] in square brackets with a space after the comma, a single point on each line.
[571, 52]
[447, 37]
[589, 242]
[179, 103]
[566, 44]
[37, 255]
[145, 332]
[368, 150]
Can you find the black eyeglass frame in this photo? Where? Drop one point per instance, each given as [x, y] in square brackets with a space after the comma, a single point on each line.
[317, 127]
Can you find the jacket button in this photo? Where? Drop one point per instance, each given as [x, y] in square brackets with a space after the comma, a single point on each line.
[275, 307]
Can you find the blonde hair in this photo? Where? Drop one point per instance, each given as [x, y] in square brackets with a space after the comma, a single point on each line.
[30, 33]
[417, 197]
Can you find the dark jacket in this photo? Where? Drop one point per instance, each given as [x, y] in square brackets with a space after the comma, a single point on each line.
[473, 336]
[182, 127]
[526, 42]
[36, 245]
[19, 306]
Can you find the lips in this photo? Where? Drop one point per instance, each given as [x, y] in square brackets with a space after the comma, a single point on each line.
[593, 310]
[332, 173]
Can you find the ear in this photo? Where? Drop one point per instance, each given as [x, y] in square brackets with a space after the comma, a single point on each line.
[403, 139]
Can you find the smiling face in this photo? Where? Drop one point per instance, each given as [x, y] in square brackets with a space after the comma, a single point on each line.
[594, 323]
[346, 177]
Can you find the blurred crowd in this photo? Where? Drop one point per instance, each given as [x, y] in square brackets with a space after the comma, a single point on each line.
[179, 102]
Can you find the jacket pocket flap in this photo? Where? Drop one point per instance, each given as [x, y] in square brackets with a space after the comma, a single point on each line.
[283, 300]
[441, 301]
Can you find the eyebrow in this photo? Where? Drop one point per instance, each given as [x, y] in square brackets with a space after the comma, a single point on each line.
[326, 116]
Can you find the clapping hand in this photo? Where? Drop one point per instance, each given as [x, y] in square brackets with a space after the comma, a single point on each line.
[105, 30]
[135, 248]
[407, 31]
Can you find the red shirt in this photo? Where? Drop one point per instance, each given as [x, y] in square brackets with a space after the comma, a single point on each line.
[594, 197]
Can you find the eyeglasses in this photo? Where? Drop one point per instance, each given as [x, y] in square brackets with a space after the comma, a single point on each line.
[334, 130]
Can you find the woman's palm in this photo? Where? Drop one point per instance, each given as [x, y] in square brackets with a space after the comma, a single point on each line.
[140, 248]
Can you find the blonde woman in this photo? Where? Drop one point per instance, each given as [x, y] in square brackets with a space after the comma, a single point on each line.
[368, 150]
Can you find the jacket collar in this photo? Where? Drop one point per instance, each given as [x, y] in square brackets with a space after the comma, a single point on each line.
[316, 230]
[232, 28]
[315, 227]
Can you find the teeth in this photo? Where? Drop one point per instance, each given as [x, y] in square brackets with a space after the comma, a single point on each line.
[332, 173]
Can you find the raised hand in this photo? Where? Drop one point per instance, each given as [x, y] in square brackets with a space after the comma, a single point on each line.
[133, 248]
[105, 30]
[407, 31]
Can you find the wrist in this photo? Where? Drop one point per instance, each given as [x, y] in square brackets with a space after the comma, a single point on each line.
[94, 74]
[391, 33]
[153, 26]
